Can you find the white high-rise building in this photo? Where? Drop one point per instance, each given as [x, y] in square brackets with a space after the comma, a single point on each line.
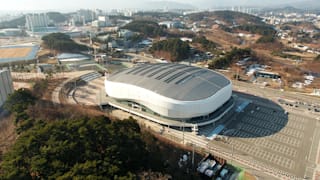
[6, 86]
[37, 22]
[102, 21]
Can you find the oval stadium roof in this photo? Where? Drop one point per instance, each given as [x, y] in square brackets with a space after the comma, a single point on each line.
[176, 81]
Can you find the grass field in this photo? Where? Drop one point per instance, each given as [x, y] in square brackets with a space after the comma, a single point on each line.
[15, 52]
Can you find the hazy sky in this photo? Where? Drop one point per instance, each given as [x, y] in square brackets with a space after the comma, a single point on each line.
[26, 5]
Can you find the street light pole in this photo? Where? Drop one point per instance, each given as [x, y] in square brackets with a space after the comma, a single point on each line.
[232, 153]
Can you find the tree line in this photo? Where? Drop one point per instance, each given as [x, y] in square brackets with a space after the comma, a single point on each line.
[147, 28]
[177, 49]
[226, 16]
[264, 30]
[268, 32]
[62, 42]
[59, 145]
[235, 54]
[83, 148]
[205, 43]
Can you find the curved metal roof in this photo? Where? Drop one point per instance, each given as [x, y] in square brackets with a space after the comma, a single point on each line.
[176, 81]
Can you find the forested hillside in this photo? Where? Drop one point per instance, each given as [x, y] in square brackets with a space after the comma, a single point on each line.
[147, 28]
[62, 43]
[68, 142]
[173, 49]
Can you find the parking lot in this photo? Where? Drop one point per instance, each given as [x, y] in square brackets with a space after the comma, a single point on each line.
[301, 105]
[273, 137]
[280, 137]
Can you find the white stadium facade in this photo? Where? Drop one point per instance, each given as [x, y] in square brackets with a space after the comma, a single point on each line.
[171, 94]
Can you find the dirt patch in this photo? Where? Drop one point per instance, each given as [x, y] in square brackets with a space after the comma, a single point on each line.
[226, 40]
[18, 85]
[163, 54]
[248, 176]
[313, 66]
[15, 52]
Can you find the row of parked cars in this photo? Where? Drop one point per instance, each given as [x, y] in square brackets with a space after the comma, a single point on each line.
[298, 104]
[212, 169]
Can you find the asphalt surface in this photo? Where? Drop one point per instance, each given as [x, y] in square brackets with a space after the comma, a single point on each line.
[273, 139]
[269, 139]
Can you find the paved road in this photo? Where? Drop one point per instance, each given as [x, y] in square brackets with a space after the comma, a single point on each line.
[273, 94]
[144, 58]
[71, 76]
[89, 94]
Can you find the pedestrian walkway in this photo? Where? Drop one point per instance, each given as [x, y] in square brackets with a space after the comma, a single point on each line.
[57, 90]
[89, 93]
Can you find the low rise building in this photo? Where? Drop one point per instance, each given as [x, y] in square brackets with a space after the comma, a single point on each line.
[125, 33]
[171, 24]
[11, 32]
[102, 21]
[71, 58]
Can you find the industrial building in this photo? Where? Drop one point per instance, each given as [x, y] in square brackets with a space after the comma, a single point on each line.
[171, 94]
[69, 58]
[6, 86]
[11, 32]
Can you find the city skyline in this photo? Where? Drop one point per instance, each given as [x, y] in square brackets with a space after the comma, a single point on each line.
[30, 5]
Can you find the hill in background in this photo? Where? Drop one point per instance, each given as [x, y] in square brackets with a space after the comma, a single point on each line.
[55, 17]
[226, 17]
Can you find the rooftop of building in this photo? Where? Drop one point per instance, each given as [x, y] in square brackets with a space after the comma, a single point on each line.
[176, 81]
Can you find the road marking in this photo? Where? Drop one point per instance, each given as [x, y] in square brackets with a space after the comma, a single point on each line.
[311, 147]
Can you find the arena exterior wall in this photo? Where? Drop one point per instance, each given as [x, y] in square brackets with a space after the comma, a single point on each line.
[173, 91]
[165, 106]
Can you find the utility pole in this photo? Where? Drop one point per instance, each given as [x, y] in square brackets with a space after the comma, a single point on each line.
[237, 76]
[183, 132]
[232, 153]
[100, 99]
[192, 155]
